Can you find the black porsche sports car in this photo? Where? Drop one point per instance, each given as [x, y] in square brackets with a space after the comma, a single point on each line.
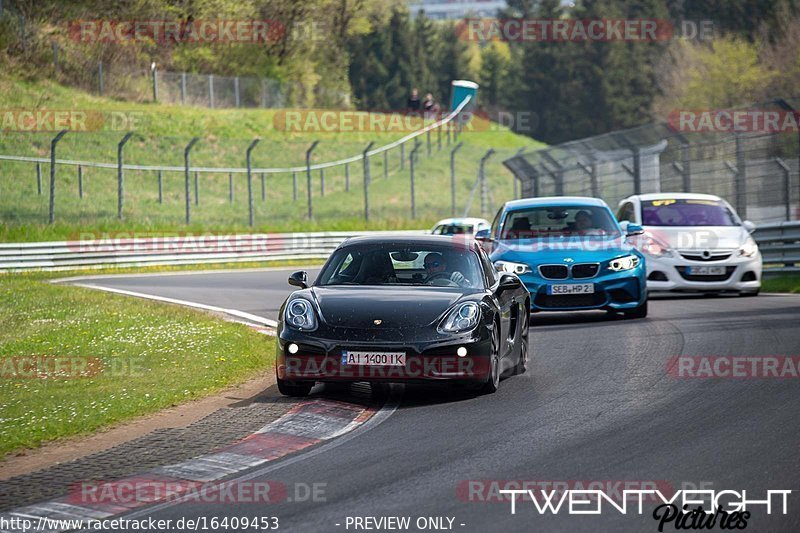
[403, 309]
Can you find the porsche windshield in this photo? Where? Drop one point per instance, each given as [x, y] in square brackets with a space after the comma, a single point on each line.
[402, 264]
[687, 212]
[559, 222]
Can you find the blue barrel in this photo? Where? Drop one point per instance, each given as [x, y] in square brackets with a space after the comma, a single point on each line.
[462, 89]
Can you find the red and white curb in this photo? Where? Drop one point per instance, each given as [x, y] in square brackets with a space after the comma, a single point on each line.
[306, 424]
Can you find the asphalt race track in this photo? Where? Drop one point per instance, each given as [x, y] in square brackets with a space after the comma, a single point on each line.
[596, 404]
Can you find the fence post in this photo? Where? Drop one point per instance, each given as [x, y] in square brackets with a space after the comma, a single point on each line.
[121, 174]
[155, 82]
[439, 139]
[250, 180]
[52, 213]
[196, 188]
[54, 47]
[453, 178]
[322, 182]
[308, 176]
[347, 177]
[211, 91]
[447, 132]
[366, 180]
[741, 179]
[230, 187]
[558, 175]
[686, 167]
[80, 182]
[482, 178]
[236, 90]
[294, 186]
[386, 164]
[186, 178]
[428, 140]
[787, 186]
[263, 92]
[402, 155]
[100, 80]
[39, 178]
[411, 158]
[160, 188]
[183, 88]
[263, 187]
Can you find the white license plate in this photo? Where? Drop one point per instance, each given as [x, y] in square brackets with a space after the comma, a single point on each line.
[705, 270]
[571, 288]
[373, 358]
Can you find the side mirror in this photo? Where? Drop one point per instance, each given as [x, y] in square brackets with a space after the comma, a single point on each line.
[483, 236]
[749, 226]
[299, 279]
[633, 229]
[509, 281]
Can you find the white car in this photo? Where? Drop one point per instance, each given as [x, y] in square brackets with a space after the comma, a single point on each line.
[694, 242]
[460, 226]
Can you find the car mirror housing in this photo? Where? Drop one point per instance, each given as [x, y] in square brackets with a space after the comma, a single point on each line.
[633, 229]
[749, 226]
[509, 281]
[483, 236]
[299, 279]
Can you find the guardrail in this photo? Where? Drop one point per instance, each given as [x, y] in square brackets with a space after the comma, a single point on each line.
[780, 246]
[128, 250]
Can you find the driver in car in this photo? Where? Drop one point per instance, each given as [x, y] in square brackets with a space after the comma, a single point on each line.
[436, 268]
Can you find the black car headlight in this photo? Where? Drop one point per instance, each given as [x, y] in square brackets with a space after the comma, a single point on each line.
[462, 317]
[628, 262]
[299, 314]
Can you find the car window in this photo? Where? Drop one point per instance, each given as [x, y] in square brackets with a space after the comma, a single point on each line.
[626, 212]
[496, 224]
[559, 221]
[687, 212]
[489, 271]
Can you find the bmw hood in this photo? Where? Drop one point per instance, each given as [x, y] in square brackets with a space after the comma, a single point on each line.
[580, 250]
[700, 238]
[395, 307]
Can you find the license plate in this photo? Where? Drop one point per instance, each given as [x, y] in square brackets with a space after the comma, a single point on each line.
[373, 358]
[705, 270]
[571, 288]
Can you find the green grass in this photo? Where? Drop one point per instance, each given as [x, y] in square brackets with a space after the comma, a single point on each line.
[164, 130]
[781, 283]
[141, 357]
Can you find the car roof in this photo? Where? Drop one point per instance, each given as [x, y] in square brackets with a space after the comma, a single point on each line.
[462, 220]
[555, 201]
[416, 240]
[673, 195]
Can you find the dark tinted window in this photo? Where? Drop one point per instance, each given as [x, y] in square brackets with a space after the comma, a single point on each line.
[687, 213]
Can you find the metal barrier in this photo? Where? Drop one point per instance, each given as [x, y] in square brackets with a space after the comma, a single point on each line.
[128, 250]
[780, 246]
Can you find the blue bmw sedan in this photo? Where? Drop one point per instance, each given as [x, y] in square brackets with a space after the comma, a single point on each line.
[570, 253]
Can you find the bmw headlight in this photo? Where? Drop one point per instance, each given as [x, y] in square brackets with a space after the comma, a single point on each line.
[299, 314]
[749, 248]
[463, 317]
[512, 268]
[627, 262]
[652, 246]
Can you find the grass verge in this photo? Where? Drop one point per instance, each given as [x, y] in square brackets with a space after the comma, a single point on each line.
[783, 283]
[73, 360]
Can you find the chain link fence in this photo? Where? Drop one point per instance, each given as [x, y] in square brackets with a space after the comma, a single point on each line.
[756, 170]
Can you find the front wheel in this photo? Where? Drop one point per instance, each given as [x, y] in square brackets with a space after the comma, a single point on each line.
[637, 312]
[522, 364]
[296, 389]
[493, 383]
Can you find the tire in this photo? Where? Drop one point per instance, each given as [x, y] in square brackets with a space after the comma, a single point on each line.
[750, 293]
[295, 389]
[493, 383]
[637, 312]
[522, 365]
